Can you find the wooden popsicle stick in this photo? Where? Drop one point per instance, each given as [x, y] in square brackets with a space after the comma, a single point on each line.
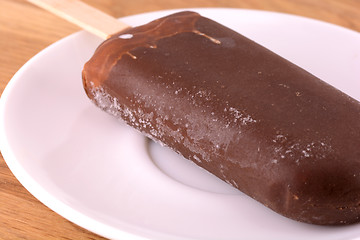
[83, 15]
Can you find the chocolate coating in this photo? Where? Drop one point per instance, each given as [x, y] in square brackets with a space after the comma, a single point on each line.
[245, 114]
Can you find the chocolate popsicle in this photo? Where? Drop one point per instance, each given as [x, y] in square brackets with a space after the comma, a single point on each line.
[238, 110]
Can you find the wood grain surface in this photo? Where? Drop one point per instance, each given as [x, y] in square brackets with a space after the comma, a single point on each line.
[26, 29]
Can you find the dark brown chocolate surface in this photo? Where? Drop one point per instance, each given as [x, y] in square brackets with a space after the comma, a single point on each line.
[250, 117]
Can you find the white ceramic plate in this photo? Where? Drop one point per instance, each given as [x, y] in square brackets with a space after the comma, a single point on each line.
[107, 178]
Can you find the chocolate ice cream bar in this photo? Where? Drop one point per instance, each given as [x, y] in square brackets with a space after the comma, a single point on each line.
[238, 110]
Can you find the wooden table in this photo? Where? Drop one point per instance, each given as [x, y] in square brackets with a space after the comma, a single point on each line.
[26, 29]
